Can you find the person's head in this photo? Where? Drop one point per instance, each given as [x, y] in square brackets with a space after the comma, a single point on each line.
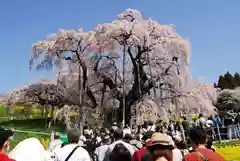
[200, 115]
[177, 127]
[210, 117]
[118, 134]
[160, 146]
[147, 136]
[119, 153]
[197, 136]
[195, 117]
[57, 135]
[150, 123]
[106, 140]
[181, 144]
[85, 127]
[73, 135]
[158, 128]
[145, 124]
[4, 135]
[127, 137]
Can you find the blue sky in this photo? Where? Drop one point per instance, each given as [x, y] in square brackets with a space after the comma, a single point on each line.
[212, 26]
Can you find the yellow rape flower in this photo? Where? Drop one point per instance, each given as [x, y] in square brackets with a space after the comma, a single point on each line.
[45, 142]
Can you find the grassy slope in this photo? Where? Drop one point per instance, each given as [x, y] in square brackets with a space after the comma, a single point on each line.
[29, 125]
[35, 125]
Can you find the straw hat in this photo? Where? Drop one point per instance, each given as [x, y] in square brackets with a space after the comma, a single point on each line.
[159, 139]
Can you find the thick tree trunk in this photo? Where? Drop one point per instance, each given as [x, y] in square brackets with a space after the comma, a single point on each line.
[141, 85]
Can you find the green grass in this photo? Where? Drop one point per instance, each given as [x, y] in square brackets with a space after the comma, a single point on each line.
[34, 125]
[22, 123]
[19, 136]
[6, 112]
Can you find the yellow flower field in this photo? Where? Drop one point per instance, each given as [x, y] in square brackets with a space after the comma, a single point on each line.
[229, 152]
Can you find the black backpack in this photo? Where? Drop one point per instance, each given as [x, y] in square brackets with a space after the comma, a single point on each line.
[120, 152]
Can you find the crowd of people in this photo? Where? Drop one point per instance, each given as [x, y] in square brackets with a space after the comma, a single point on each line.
[150, 142]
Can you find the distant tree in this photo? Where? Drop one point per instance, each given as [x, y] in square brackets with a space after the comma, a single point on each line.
[222, 83]
[148, 51]
[230, 80]
[237, 79]
[228, 100]
[227, 81]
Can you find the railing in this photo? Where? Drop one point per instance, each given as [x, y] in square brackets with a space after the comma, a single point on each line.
[19, 117]
[226, 133]
[31, 132]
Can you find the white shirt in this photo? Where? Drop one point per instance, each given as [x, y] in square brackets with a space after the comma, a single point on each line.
[100, 152]
[54, 144]
[87, 132]
[177, 135]
[151, 128]
[177, 155]
[79, 155]
[114, 127]
[99, 139]
[126, 131]
[201, 122]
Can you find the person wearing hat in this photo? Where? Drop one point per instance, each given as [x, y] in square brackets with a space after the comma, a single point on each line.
[160, 147]
[114, 127]
[4, 145]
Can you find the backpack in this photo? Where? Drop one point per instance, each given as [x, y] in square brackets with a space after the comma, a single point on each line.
[93, 156]
[120, 152]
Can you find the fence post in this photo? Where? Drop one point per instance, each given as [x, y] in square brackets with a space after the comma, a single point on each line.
[229, 131]
[238, 131]
[183, 132]
[219, 135]
[52, 136]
